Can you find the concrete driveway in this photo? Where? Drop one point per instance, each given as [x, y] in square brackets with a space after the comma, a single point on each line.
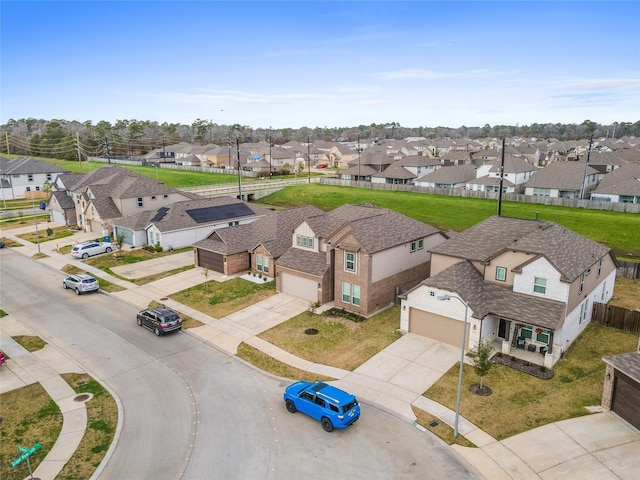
[398, 375]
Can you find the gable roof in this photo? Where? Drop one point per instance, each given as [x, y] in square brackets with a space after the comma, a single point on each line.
[384, 230]
[486, 298]
[570, 253]
[624, 180]
[27, 165]
[450, 174]
[563, 175]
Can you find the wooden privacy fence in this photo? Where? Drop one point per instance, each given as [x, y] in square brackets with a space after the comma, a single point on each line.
[616, 317]
[628, 269]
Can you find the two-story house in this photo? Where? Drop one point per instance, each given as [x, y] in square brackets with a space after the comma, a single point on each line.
[525, 285]
[27, 177]
[563, 179]
[111, 192]
[357, 256]
[516, 173]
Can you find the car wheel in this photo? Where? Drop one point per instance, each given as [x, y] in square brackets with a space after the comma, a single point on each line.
[291, 407]
[157, 332]
[85, 256]
[326, 424]
[108, 250]
[64, 285]
[139, 322]
[77, 291]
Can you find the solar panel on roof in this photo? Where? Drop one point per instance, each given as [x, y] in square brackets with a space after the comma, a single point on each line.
[162, 211]
[222, 212]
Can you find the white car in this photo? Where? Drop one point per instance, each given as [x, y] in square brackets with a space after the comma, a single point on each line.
[81, 283]
[87, 249]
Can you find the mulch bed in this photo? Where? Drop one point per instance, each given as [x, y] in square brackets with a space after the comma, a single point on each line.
[484, 391]
[524, 366]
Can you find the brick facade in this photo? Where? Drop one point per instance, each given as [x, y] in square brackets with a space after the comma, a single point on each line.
[236, 263]
[607, 390]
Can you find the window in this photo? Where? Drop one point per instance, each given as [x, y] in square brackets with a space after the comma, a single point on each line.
[265, 264]
[542, 336]
[420, 244]
[165, 196]
[526, 331]
[599, 267]
[583, 311]
[49, 176]
[413, 247]
[259, 263]
[540, 285]
[233, 224]
[303, 241]
[355, 295]
[346, 292]
[350, 293]
[140, 203]
[30, 177]
[350, 261]
[581, 288]
[153, 197]
[501, 274]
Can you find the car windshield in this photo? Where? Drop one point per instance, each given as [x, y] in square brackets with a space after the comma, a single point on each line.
[171, 318]
[88, 280]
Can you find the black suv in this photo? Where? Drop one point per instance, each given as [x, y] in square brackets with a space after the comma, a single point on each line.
[159, 320]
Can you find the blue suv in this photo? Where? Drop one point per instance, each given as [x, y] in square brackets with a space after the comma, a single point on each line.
[332, 407]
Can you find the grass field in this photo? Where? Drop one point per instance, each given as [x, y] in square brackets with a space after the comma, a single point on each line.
[619, 231]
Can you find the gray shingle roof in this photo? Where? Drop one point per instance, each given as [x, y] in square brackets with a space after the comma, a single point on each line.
[26, 165]
[621, 181]
[304, 261]
[570, 253]
[450, 175]
[560, 174]
[627, 363]
[486, 298]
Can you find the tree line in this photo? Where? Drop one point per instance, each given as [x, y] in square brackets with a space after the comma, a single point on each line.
[71, 140]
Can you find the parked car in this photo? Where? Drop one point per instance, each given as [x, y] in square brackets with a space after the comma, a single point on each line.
[332, 407]
[87, 249]
[159, 320]
[81, 283]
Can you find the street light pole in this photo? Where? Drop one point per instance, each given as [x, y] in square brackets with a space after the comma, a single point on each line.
[35, 217]
[464, 340]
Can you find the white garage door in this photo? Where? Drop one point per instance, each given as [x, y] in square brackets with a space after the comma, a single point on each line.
[437, 327]
[299, 287]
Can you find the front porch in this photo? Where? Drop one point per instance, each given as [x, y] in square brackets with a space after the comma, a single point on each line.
[536, 357]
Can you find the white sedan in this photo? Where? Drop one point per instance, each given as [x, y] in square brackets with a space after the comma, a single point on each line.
[85, 250]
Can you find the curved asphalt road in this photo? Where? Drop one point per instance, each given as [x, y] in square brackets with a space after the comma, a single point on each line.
[193, 412]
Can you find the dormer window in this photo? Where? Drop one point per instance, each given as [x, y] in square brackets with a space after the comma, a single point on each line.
[303, 241]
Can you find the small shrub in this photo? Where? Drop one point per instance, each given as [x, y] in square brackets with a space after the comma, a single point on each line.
[158, 248]
[49, 232]
[543, 368]
[513, 359]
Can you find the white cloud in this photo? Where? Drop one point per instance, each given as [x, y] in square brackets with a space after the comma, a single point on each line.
[421, 73]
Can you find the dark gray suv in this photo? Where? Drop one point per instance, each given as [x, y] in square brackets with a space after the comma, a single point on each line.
[159, 320]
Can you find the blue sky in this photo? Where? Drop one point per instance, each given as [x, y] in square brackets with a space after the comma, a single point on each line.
[316, 64]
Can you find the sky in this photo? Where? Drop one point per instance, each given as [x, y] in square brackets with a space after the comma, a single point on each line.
[321, 64]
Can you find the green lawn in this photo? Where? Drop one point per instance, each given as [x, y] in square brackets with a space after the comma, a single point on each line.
[619, 231]
[521, 402]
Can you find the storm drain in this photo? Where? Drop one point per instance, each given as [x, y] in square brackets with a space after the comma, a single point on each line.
[83, 397]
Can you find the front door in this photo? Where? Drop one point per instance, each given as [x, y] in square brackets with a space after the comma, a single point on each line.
[503, 329]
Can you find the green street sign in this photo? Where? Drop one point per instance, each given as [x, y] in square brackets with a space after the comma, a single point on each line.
[26, 453]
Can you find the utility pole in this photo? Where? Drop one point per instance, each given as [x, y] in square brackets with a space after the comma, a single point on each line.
[270, 143]
[309, 156]
[35, 218]
[7, 137]
[239, 176]
[359, 150]
[586, 168]
[78, 146]
[501, 181]
[106, 141]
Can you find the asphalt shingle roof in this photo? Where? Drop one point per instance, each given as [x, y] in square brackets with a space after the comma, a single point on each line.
[486, 298]
[570, 253]
[627, 363]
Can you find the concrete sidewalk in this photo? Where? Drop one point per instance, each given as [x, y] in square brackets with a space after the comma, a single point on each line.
[597, 446]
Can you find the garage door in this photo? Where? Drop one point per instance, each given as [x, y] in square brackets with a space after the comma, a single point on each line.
[212, 261]
[299, 287]
[626, 398]
[437, 327]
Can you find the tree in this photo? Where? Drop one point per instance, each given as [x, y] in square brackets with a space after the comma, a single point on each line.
[119, 242]
[481, 357]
